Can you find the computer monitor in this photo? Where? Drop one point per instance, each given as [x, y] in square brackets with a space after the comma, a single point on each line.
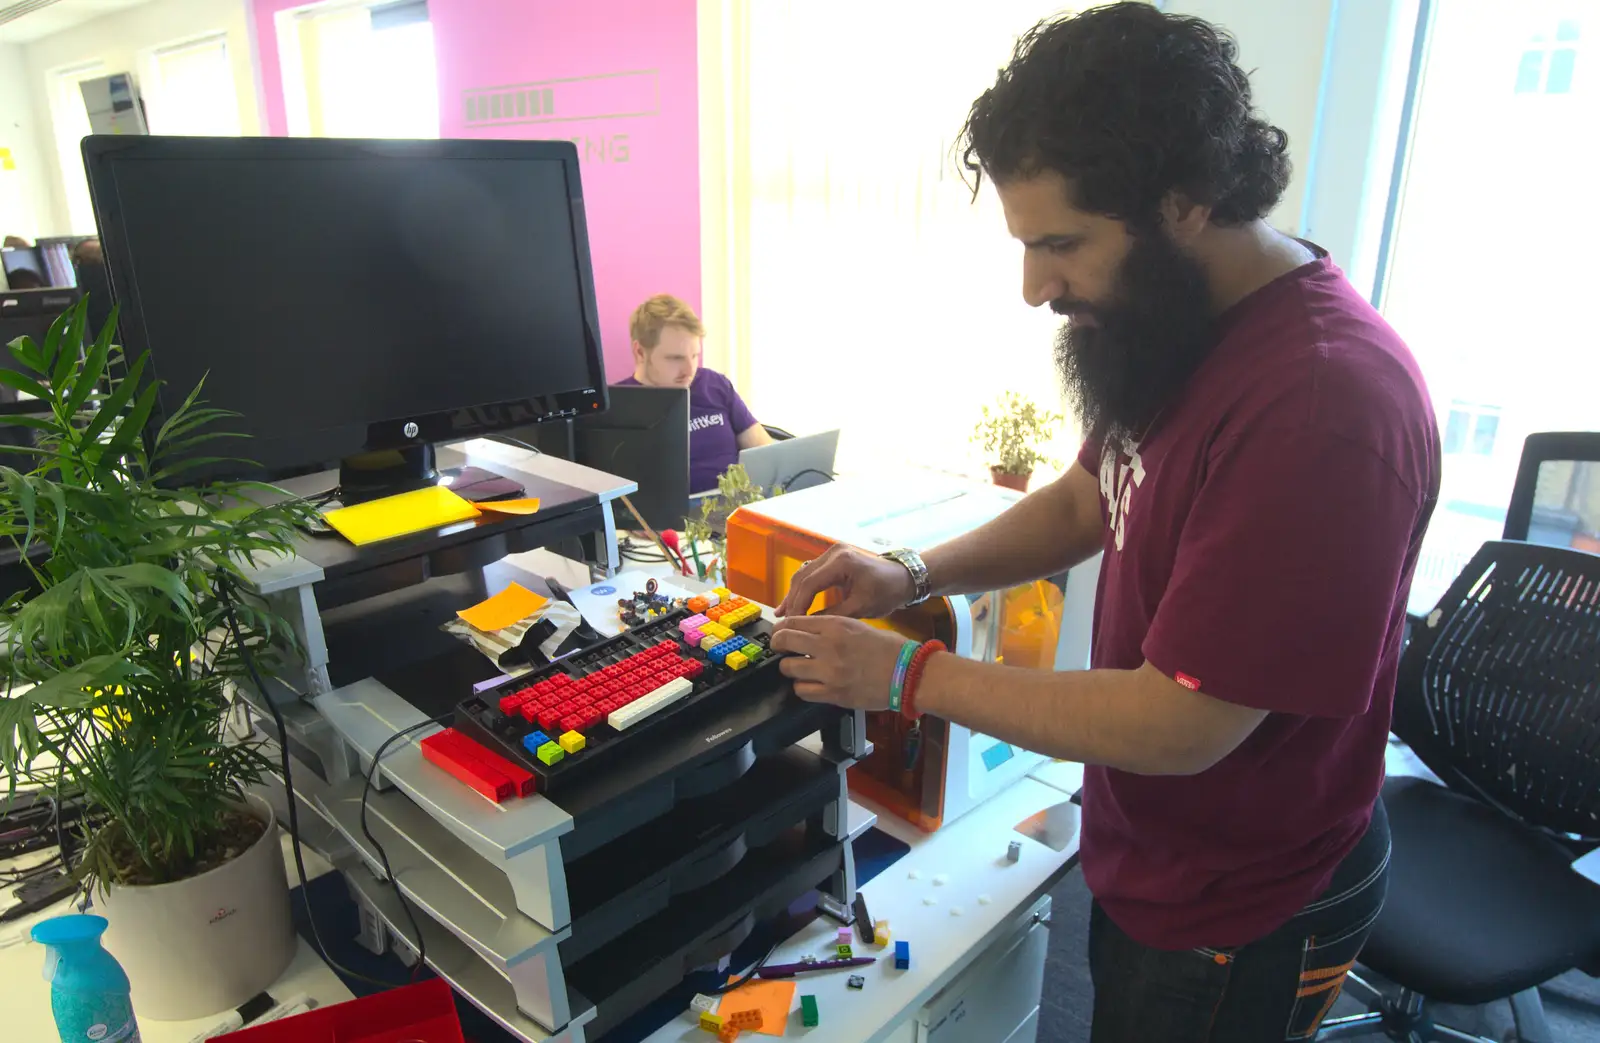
[353, 301]
[645, 438]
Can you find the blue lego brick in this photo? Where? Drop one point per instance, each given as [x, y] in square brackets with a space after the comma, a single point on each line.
[902, 956]
[532, 742]
[718, 654]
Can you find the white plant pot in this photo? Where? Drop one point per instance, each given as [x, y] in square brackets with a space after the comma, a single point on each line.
[200, 946]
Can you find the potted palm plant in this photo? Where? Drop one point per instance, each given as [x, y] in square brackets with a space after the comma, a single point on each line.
[1011, 433]
[120, 660]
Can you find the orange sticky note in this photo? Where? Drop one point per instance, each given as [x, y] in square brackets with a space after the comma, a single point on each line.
[511, 605]
[527, 505]
[772, 998]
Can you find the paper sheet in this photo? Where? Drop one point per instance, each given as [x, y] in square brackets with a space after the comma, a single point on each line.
[399, 515]
[527, 505]
[772, 998]
[512, 605]
[598, 601]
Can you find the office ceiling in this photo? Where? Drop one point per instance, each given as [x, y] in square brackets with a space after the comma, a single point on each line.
[23, 21]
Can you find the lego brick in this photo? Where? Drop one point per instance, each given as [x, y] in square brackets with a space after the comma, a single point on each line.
[718, 654]
[736, 661]
[710, 1022]
[712, 600]
[902, 956]
[709, 642]
[742, 1020]
[723, 593]
[643, 707]
[694, 636]
[522, 780]
[880, 932]
[1014, 851]
[856, 981]
[702, 1003]
[485, 780]
[572, 742]
[845, 951]
[728, 1034]
[808, 1012]
[843, 937]
[550, 753]
[533, 740]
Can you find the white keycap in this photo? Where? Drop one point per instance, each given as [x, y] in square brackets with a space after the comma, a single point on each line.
[649, 703]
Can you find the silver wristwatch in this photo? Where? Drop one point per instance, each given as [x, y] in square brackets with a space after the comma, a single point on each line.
[922, 586]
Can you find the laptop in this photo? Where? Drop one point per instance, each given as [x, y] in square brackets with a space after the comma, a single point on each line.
[792, 464]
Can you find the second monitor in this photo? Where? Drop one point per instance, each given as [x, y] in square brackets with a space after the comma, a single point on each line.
[644, 437]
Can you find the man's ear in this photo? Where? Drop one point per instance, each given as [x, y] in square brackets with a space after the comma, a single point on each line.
[1183, 218]
[638, 353]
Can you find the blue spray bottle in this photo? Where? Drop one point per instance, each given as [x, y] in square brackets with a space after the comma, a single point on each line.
[89, 992]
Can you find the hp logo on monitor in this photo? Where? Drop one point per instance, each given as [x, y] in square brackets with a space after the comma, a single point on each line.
[411, 429]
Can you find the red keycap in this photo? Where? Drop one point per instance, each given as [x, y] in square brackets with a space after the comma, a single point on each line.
[694, 667]
[591, 718]
[529, 711]
[547, 718]
[509, 703]
[572, 722]
[583, 700]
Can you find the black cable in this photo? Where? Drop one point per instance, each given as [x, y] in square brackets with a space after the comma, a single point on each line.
[383, 856]
[748, 975]
[805, 471]
[225, 586]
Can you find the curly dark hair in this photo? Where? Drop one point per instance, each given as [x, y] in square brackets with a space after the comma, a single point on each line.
[1129, 104]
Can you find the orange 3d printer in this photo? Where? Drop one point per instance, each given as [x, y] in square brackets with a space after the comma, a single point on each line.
[1044, 625]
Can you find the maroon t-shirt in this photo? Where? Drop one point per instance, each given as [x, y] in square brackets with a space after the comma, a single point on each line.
[1260, 540]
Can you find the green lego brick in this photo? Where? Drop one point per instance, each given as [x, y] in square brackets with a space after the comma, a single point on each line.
[808, 1012]
[550, 753]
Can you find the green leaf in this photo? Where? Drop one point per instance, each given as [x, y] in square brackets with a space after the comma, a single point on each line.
[111, 409]
[131, 428]
[25, 384]
[20, 487]
[26, 350]
[69, 342]
[94, 366]
[74, 688]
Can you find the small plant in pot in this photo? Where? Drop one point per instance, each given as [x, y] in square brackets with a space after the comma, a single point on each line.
[120, 660]
[1010, 433]
[734, 490]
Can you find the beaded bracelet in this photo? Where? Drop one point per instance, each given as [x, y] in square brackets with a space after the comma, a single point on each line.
[919, 660]
[902, 668]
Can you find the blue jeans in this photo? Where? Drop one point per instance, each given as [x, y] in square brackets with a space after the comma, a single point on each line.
[1278, 988]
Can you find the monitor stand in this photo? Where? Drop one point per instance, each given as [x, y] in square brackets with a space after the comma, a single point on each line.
[372, 476]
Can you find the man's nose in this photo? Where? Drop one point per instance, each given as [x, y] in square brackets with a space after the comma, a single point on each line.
[1040, 285]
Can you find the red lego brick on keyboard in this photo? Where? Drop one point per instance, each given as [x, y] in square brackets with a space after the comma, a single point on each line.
[572, 722]
[529, 711]
[547, 719]
[521, 778]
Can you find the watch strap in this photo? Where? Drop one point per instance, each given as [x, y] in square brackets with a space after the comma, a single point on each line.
[922, 586]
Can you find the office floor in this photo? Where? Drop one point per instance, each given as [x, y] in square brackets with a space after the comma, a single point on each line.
[1571, 1002]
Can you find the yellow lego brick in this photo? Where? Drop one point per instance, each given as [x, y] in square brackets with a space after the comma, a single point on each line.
[723, 593]
[710, 1022]
[572, 742]
[721, 632]
[710, 640]
[736, 661]
[550, 753]
[880, 932]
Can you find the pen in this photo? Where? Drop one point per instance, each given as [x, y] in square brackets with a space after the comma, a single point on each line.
[789, 970]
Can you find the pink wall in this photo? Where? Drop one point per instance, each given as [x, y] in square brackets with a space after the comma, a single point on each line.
[616, 77]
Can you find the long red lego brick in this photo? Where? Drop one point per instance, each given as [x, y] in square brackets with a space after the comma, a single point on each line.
[520, 777]
[440, 752]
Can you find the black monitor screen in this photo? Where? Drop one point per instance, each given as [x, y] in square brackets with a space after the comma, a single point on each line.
[332, 291]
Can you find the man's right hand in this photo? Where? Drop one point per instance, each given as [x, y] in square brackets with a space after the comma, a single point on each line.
[869, 586]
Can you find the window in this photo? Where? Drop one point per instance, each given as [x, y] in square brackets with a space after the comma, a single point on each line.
[867, 290]
[1489, 253]
[70, 118]
[1546, 67]
[359, 71]
[188, 88]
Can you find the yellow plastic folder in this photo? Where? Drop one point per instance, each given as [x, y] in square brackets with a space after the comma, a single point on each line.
[399, 515]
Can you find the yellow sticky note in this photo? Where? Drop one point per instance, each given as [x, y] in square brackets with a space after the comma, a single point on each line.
[6, 162]
[772, 998]
[527, 505]
[511, 605]
[399, 515]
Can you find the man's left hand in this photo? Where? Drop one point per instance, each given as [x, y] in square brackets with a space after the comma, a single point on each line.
[845, 661]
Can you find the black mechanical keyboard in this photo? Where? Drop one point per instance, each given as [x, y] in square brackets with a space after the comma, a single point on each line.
[565, 721]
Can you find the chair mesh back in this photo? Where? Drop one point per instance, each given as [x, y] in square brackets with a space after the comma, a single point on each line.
[1499, 690]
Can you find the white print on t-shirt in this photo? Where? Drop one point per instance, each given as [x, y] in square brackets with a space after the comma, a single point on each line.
[1116, 486]
[700, 423]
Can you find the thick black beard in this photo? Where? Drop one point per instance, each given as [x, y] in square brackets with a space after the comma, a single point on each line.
[1150, 339]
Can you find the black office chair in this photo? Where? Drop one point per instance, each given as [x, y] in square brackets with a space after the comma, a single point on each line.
[1499, 695]
[1558, 474]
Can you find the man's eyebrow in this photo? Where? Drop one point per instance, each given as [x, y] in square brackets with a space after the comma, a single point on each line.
[1063, 239]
